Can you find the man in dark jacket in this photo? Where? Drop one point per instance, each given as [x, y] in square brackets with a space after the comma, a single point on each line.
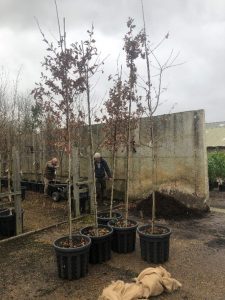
[50, 172]
[102, 173]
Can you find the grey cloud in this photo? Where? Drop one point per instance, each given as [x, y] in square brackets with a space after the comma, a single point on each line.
[197, 30]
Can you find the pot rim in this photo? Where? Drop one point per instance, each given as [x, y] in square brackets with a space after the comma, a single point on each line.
[114, 212]
[98, 237]
[124, 228]
[141, 233]
[62, 249]
[12, 214]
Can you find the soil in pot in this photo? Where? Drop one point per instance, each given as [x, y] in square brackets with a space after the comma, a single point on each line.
[74, 243]
[154, 246]
[104, 218]
[124, 235]
[101, 237]
[157, 230]
[72, 257]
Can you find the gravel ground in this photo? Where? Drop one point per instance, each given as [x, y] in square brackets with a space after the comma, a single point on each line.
[197, 251]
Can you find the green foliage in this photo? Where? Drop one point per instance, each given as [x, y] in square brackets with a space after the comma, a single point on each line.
[216, 166]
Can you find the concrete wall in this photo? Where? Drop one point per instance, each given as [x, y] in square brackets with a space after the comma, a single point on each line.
[181, 158]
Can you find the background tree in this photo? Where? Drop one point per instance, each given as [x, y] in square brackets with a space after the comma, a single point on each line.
[216, 166]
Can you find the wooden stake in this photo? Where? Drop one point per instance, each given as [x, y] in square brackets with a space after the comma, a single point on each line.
[17, 188]
[0, 173]
[76, 177]
[90, 184]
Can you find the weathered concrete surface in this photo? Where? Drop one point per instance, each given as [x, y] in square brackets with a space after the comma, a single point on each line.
[181, 158]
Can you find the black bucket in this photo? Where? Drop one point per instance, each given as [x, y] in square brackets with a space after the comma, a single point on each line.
[100, 250]
[34, 186]
[40, 187]
[29, 185]
[8, 223]
[4, 211]
[154, 247]
[72, 263]
[104, 218]
[23, 192]
[124, 238]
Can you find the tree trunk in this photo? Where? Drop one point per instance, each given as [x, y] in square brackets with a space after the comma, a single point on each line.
[153, 176]
[0, 173]
[17, 188]
[127, 164]
[69, 191]
[92, 165]
[76, 177]
[9, 159]
[34, 156]
[113, 181]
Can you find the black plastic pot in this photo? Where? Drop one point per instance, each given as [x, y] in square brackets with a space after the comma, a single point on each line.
[40, 187]
[4, 211]
[100, 250]
[8, 223]
[29, 185]
[4, 182]
[154, 247]
[103, 218]
[23, 192]
[24, 183]
[124, 238]
[34, 186]
[72, 263]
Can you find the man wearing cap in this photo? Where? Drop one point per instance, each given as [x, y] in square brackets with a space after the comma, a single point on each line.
[50, 172]
[102, 173]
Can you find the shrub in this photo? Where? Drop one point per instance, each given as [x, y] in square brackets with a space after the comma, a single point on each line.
[216, 166]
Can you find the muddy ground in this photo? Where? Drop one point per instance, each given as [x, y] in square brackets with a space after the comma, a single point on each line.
[217, 199]
[197, 251]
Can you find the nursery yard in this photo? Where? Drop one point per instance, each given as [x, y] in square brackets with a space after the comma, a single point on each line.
[28, 269]
[81, 132]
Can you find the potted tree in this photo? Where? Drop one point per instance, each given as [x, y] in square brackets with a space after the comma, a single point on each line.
[100, 235]
[59, 86]
[124, 235]
[154, 238]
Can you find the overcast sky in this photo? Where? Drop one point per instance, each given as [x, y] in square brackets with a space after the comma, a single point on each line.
[196, 27]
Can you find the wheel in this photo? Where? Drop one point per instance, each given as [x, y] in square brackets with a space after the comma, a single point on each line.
[55, 197]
